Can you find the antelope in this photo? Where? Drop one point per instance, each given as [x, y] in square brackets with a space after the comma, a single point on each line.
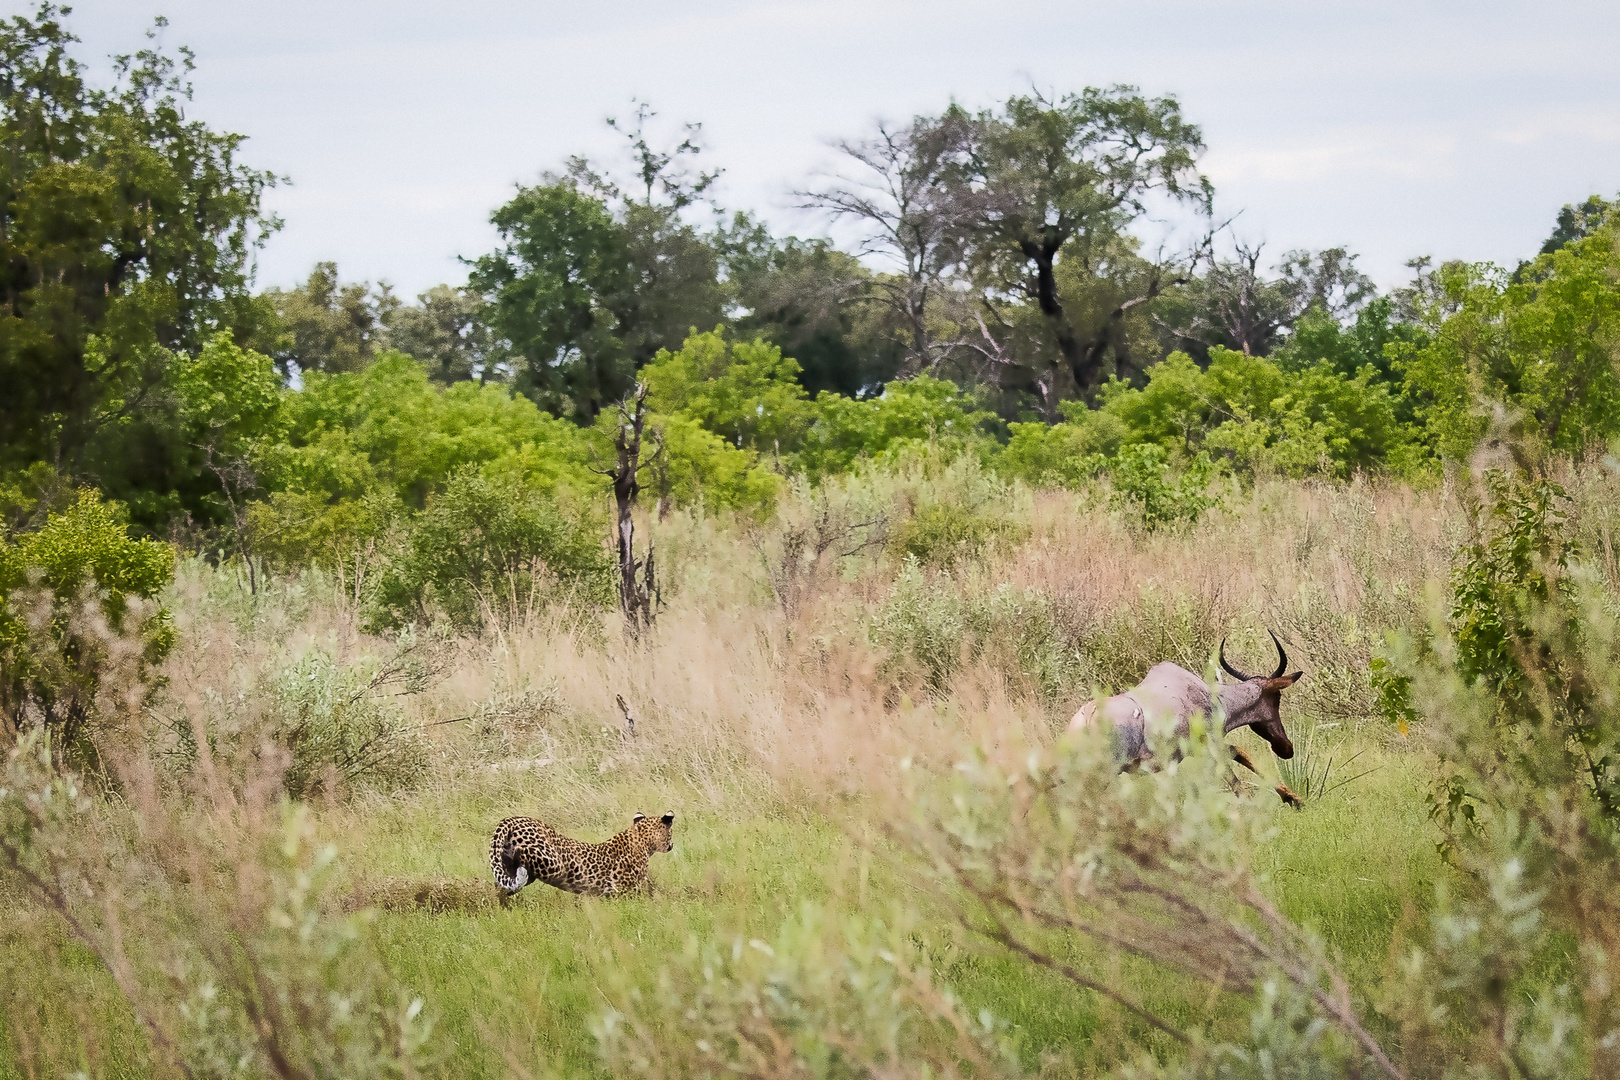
[1170, 690]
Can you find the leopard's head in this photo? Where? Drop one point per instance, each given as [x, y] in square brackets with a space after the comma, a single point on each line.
[659, 834]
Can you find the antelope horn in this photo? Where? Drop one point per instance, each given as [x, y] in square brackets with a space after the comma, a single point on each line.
[1282, 657]
[1228, 668]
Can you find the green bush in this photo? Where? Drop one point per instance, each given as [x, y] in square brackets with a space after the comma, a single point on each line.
[1515, 690]
[1261, 418]
[819, 1000]
[484, 549]
[747, 393]
[698, 467]
[72, 611]
[1067, 455]
[915, 413]
[340, 729]
[1540, 342]
[1145, 486]
[388, 426]
[294, 529]
[945, 533]
[946, 508]
[922, 626]
[927, 628]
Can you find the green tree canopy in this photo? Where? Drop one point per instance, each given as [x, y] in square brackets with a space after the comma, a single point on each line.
[555, 287]
[748, 393]
[328, 325]
[126, 231]
[1543, 343]
[594, 277]
[447, 332]
[1046, 181]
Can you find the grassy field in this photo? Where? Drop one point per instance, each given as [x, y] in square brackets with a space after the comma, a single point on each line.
[777, 741]
[521, 984]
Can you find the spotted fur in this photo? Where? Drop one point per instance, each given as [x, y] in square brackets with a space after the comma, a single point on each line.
[525, 850]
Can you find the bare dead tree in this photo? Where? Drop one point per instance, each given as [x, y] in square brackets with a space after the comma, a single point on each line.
[908, 218]
[237, 479]
[638, 583]
[1235, 304]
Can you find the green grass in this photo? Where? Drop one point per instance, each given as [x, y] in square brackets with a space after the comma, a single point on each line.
[520, 984]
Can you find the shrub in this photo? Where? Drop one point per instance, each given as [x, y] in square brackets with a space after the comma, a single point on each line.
[70, 607]
[482, 550]
[946, 508]
[1261, 418]
[927, 628]
[922, 625]
[747, 393]
[820, 1000]
[388, 426]
[339, 727]
[1541, 341]
[1515, 688]
[813, 532]
[1024, 633]
[944, 533]
[907, 415]
[303, 529]
[1066, 455]
[697, 467]
[1145, 486]
[222, 950]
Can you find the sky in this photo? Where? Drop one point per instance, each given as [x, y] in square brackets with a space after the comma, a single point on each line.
[1449, 128]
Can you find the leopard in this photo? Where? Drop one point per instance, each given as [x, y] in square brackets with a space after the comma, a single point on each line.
[525, 850]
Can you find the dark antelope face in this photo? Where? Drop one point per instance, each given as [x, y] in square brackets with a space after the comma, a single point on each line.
[1264, 714]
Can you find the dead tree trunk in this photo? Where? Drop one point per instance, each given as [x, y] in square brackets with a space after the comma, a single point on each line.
[638, 582]
[236, 480]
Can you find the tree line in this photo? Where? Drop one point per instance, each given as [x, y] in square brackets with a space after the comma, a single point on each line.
[996, 293]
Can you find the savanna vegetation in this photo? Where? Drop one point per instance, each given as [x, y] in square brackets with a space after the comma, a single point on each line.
[302, 591]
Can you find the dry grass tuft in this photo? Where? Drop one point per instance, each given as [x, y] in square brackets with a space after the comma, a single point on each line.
[440, 897]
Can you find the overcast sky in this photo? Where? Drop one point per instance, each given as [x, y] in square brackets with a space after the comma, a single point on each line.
[1454, 129]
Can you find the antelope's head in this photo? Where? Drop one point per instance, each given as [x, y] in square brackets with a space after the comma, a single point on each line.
[1256, 700]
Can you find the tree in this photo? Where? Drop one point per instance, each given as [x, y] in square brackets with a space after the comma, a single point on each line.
[592, 278]
[674, 271]
[1579, 222]
[1543, 343]
[821, 305]
[1047, 181]
[748, 393]
[327, 325]
[446, 332]
[1235, 306]
[126, 232]
[902, 205]
[552, 288]
[230, 404]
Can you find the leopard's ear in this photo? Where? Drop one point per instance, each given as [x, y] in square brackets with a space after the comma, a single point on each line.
[638, 819]
[669, 818]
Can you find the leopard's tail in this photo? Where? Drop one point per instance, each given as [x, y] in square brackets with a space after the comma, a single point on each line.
[510, 874]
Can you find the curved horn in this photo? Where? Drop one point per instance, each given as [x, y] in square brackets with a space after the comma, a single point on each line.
[1228, 668]
[1282, 657]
